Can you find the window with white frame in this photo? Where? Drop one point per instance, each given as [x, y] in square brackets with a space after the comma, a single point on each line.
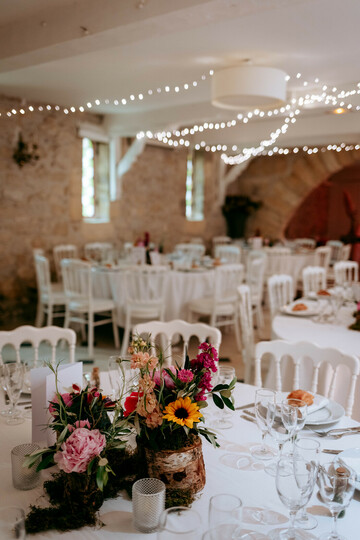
[195, 184]
[95, 193]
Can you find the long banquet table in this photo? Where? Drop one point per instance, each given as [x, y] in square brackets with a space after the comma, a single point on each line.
[255, 488]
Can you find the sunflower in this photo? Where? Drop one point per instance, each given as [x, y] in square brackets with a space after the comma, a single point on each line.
[183, 412]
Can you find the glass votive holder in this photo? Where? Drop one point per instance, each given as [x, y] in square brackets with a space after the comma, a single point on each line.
[12, 523]
[24, 478]
[225, 508]
[148, 496]
[178, 523]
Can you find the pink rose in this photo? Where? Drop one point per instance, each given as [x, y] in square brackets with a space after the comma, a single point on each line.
[169, 383]
[67, 399]
[79, 424]
[79, 449]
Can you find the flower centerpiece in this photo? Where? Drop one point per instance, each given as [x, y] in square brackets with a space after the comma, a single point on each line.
[91, 457]
[356, 325]
[166, 410]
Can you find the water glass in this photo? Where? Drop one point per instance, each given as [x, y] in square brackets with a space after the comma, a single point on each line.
[12, 378]
[301, 414]
[24, 478]
[225, 375]
[225, 508]
[282, 429]
[12, 523]
[265, 405]
[337, 485]
[148, 496]
[294, 484]
[308, 449]
[179, 523]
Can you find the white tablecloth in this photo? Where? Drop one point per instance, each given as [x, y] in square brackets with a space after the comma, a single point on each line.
[253, 486]
[295, 328]
[182, 287]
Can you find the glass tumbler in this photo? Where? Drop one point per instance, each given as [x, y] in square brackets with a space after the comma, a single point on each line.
[24, 478]
[148, 496]
[179, 523]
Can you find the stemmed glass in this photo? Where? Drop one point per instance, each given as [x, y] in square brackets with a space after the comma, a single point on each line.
[337, 485]
[12, 378]
[301, 409]
[225, 375]
[265, 406]
[295, 478]
[121, 376]
[282, 428]
[308, 449]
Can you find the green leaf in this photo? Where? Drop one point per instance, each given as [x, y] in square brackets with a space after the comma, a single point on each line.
[219, 387]
[218, 401]
[225, 393]
[47, 461]
[228, 403]
[202, 404]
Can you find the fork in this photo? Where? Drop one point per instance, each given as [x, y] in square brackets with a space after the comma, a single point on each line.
[336, 434]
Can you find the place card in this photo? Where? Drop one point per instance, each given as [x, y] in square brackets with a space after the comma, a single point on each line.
[43, 389]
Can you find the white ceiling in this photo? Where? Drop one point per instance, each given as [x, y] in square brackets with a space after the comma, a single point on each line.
[74, 51]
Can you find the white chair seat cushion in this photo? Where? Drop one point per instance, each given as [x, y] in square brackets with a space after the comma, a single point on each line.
[204, 306]
[98, 305]
[57, 288]
[57, 298]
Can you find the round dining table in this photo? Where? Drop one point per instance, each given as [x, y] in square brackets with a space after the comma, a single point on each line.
[335, 335]
[229, 469]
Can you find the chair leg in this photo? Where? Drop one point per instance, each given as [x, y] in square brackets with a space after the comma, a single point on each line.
[39, 321]
[247, 374]
[91, 334]
[67, 318]
[259, 316]
[83, 332]
[126, 336]
[237, 333]
[50, 315]
[115, 329]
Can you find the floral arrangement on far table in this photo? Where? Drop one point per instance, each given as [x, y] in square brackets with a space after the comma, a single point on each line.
[356, 314]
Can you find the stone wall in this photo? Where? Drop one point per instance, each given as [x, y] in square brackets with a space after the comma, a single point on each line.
[282, 182]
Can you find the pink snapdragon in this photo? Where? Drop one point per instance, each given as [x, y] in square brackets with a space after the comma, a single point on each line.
[79, 449]
[206, 359]
[185, 375]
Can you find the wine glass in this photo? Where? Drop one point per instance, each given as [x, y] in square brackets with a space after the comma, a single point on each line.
[12, 523]
[337, 484]
[225, 508]
[265, 401]
[121, 375]
[12, 377]
[301, 410]
[309, 449]
[281, 428]
[225, 375]
[295, 478]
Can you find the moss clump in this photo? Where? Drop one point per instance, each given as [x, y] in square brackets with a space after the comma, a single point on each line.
[178, 497]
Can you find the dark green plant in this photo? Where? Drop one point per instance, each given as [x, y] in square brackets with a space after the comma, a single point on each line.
[240, 203]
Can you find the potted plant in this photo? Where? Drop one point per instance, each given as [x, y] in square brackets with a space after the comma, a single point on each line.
[236, 210]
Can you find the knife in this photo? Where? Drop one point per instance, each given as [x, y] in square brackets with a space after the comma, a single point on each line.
[330, 451]
[248, 418]
[247, 406]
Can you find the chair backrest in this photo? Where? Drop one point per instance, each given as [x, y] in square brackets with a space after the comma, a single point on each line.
[98, 251]
[281, 292]
[323, 257]
[299, 353]
[230, 254]
[314, 279]
[247, 329]
[77, 279]
[346, 252]
[336, 249]
[138, 255]
[42, 269]
[308, 243]
[169, 332]
[255, 275]
[35, 336]
[346, 272]
[278, 260]
[146, 284]
[193, 251]
[228, 278]
[221, 240]
[64, 251]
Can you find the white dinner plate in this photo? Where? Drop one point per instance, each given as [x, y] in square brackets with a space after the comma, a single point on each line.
[309, 312]
[331, 413]
[351, 458]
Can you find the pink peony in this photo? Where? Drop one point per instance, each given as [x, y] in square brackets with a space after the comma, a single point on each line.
[79, 449]
[79, 424]
[67, 399]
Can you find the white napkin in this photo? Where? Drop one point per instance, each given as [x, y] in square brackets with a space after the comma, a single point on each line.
[351, 458]
[319, 403]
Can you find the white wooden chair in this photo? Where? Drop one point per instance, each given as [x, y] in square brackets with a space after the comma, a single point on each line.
[346, 252]
[314, 279]
[191, 251]
[247, 330]
[255, 277]
[220, 241]
[145, 288]
[322, 257]
[336, 250]
[307, 243]
[305, 352]
[228, 254]
[346, 272]
[170, 331]
[278, 260]
[81, 306]
[36, 336]
[98, 251]
[281, 292]
[51, 297]
[221, 306]
[63, 251]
